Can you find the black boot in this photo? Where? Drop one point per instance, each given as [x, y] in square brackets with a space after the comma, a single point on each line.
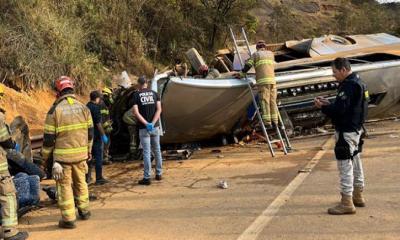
[18, 236]
[66, 225]
[145, 181]
[84, 215]
[89, 174]
[268, 125]
[101, 181]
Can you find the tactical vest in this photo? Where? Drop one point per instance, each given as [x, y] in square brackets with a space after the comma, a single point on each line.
[355, 117]
[361, 108]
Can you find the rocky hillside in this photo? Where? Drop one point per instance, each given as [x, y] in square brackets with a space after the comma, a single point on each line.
[296, 19]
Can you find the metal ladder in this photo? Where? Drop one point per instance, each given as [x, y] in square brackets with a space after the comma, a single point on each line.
[285, 143]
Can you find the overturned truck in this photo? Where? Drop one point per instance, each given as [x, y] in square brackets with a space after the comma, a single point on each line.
[197, 108]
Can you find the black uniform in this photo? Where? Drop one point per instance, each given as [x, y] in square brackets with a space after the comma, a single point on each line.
[348, 113]
[349, 110]
[146, 100]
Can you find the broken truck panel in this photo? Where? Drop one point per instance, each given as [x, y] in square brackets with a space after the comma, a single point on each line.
[196, 109]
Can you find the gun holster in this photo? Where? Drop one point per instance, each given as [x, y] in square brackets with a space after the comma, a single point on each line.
[342, 149]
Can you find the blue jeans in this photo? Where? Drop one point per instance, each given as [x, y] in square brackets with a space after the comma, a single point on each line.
[97, 153]
[151, 141]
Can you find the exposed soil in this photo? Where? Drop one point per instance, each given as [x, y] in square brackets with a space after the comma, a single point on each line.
[32, 106]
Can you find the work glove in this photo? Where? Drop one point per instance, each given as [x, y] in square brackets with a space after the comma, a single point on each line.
[105, 139]
[17, 147]
[150, 127]
[57, 171]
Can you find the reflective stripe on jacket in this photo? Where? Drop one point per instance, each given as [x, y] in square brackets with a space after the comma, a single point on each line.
[264, 64]
[68, 131]
[105, 112]
[4, 136]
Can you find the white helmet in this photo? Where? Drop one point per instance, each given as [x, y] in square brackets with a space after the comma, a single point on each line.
[124, 80]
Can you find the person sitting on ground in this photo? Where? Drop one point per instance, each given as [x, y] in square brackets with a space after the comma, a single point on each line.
[8, 200]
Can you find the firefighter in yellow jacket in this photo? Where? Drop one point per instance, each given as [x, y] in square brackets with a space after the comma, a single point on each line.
[8, 200]
[263, 62]
[68, 138]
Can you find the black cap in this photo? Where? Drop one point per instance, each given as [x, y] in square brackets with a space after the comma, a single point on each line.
[94, 95]
[142, 80]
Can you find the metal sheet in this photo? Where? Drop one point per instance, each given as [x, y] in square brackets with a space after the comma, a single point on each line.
[384, 38]
[194, 112]
[198, 109]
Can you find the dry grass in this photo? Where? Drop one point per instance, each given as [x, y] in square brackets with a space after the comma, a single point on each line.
[91, 40]
[38, 45]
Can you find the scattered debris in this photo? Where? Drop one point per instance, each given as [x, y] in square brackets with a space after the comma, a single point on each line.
[305, 170]
[92, 197]
[181, 154]
[216, 151]
[320, 130]
[220, 156]
[279, 144]
[223, 184]
[394, 136]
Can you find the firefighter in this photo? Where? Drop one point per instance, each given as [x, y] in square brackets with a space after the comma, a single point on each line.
[8, 200]
[131, 123]
[105, 107]
[108, 97]
[348, 113]
[67, 140]
[264, 63]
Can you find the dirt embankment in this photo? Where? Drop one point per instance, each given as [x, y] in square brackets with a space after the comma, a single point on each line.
[33, 106]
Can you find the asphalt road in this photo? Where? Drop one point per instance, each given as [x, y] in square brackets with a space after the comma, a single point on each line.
[266, 195]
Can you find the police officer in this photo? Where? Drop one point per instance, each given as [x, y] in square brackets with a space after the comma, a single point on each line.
[8, 199]
[347, 112]
[100, 138]
[147, 110]
[264, 63]
[68, 139]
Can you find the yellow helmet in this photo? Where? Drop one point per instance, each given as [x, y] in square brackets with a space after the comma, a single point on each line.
[1, 91]
[106, 91]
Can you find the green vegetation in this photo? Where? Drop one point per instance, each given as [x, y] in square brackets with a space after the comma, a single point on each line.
[91, 40]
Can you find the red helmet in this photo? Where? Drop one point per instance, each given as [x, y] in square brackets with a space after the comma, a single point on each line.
[203, 69]
[63, 82]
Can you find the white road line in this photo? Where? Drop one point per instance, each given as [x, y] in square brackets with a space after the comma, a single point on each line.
[252, 232]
